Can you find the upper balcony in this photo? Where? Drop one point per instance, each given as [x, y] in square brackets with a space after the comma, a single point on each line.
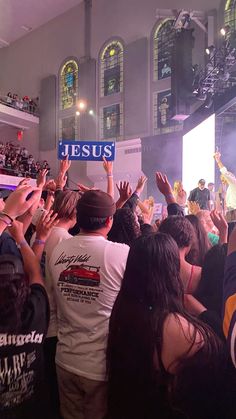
[19, 114]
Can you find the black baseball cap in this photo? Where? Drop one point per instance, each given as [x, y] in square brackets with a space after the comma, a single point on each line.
[96, 203]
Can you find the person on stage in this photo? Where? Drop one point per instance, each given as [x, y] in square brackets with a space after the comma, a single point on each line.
[180, 194]
[211, 187]
[229, 179]
[200, 195]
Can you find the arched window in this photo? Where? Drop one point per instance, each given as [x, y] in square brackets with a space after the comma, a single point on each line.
[230, 14]
[111, 69]
[68, 84]
[163, 42]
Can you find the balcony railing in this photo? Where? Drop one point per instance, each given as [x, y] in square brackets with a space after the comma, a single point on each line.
[28, 106]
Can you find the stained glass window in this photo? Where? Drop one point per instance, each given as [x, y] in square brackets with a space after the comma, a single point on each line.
[230, 14]
[111, 69]
[163, 42]
[112, 122]
[68, 84]
[68, 128]
[162, 105]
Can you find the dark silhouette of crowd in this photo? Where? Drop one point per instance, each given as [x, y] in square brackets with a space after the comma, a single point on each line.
[17, 161]
[106, 314]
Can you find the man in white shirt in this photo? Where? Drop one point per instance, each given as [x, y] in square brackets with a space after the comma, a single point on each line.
[230, 180]
[87, 272]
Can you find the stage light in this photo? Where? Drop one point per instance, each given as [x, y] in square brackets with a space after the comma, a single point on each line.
[91, 112]
[77, 113]
[82, 105]
[222, 32]
[210, 50]
[225, 30]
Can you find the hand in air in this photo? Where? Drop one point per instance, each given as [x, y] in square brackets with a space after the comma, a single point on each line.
[124, 190]
[107, 166]
[17, 203]
[163, 184]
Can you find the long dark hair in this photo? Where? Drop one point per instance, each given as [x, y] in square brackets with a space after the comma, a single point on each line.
[151, 290]
[125, 228]
[14, 290]
[210, 290]
[201, 245]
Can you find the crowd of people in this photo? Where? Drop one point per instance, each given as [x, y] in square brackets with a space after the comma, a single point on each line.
[25, 103]
[17, 161]
[105, 313]
[206, 198]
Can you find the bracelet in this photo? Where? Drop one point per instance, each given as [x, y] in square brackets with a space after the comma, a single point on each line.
[169, 195]
[109, 175]
[22, 243]
[39, 242]
[7, 215]
[5, 222]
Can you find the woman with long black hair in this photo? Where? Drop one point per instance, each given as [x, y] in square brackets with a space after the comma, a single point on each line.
[155, 348]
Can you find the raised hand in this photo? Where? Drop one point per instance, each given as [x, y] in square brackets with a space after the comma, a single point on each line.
[17, 203]
[140, 185]
[193, 207]
[23, 182]
[47, 221]
[16, 231]
[163, 184]
[61, 181]
[217, 156]
[41, 179]
[124, 190]
[221, 224]
[51, 185]
[65, 165]
[107, 166]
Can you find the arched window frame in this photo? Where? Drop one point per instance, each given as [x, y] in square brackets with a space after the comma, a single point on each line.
[230, 14]
[156, 49]
[112, 101]
[65, 115]
[73, 63]
[110, 63]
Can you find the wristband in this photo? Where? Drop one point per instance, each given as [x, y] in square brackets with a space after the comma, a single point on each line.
[7, 215]
[8, 224]
[109, 175]
[169, 195]
[39, 242]
[22, 243]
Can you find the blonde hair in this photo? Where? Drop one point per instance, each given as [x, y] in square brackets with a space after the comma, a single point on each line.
[177, 184]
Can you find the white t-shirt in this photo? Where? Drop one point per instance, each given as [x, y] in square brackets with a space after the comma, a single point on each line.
[231, 190]
[87, 272]
[57, 235]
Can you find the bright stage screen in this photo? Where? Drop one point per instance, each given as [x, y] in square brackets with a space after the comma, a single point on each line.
[198, 149]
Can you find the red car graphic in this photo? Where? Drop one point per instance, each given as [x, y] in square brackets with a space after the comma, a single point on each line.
[82, 275]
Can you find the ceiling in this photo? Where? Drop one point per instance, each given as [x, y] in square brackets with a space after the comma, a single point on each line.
[18, 15]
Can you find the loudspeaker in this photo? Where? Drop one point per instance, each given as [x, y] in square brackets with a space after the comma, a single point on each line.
[182, 73]
[47, 118]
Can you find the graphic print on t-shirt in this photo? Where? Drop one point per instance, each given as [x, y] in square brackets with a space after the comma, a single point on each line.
[80, 283]
[17, 368]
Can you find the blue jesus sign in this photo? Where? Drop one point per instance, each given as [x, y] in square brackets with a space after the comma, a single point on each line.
[86, 150]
